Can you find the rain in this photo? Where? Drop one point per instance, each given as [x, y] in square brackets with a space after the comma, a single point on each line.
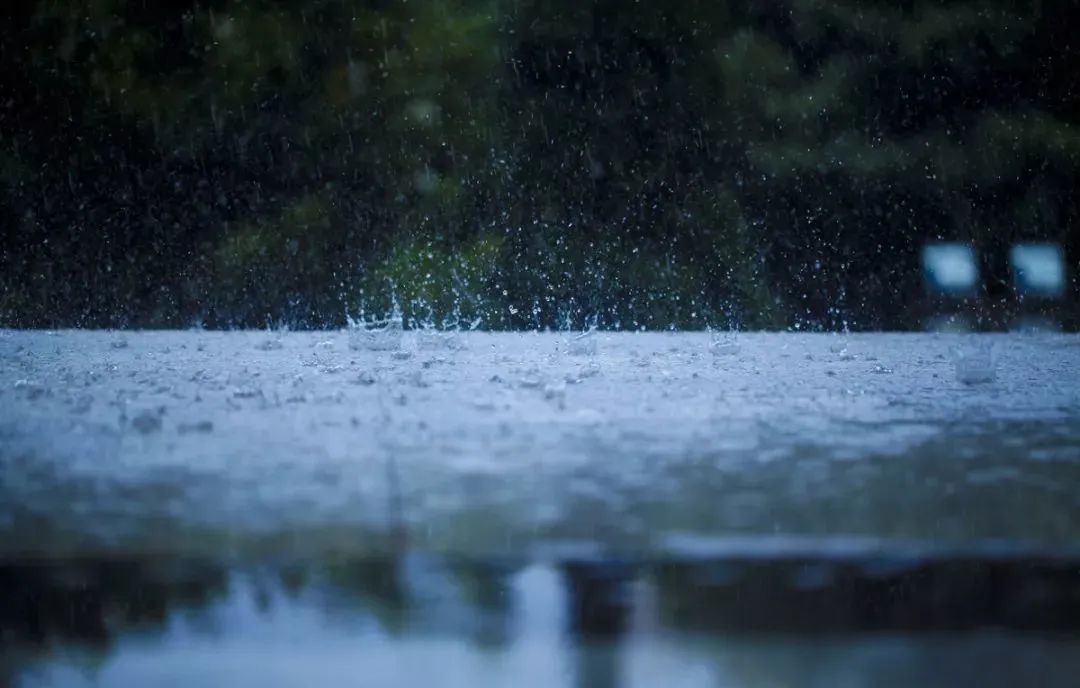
[508, 342]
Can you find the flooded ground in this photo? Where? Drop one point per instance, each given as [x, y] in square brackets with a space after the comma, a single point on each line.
[501, 443]
[417, 509]
[420, 621]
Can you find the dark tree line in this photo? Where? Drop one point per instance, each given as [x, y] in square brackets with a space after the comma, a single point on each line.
[531, 164]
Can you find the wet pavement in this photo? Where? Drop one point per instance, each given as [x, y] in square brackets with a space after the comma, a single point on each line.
[485, 509]
[195, 442]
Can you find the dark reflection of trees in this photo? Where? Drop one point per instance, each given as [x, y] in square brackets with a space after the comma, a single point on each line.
[599, 595]
[417, 593]
[375, 585]
[293, 579]
[808, 594]
[485, 589]
[92, 601]
[600, 599]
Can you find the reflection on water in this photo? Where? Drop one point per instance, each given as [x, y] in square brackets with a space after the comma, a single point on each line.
[754, 618]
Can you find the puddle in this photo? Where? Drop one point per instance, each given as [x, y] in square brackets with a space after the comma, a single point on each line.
[415, 620]
[651, 511]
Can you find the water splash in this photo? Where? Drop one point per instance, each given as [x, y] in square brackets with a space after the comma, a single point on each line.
[584, 344]
[377, 335]
[975, 363]
[724, 343]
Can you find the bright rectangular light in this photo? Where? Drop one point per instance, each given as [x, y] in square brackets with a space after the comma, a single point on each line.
[1038, 269]
[950, 268]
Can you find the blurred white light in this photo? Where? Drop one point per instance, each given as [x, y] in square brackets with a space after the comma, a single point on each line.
[950, 323]
[1035, 324]
[950, 267]
[1038, 269]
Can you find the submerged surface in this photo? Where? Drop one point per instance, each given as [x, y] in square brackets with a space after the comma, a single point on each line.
[415, 623]
[207, 442]
[256, 508]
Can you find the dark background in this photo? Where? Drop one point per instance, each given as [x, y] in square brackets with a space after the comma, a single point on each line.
[751, 163]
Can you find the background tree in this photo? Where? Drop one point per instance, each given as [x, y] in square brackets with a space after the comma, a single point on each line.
[530, 164]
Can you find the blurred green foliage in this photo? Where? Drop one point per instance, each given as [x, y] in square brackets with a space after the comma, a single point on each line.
[525, 163]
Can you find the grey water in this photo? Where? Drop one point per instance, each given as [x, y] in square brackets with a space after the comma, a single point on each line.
[416, 620]
[252, 508]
